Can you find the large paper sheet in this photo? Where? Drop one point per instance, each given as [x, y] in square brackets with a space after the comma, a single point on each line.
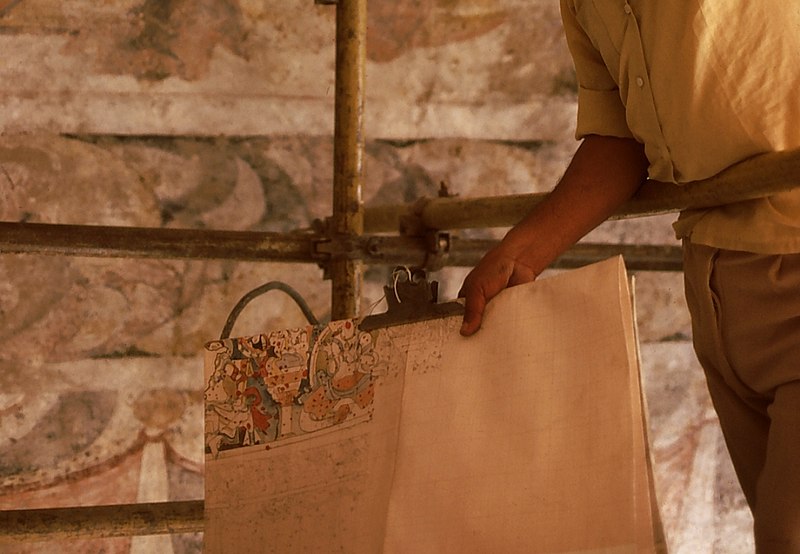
[527, 437]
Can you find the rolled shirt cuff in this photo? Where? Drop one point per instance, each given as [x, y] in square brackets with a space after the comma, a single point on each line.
[601, 112]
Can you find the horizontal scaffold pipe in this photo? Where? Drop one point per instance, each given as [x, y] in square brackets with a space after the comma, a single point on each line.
[122, 520]
[136, 242]
[759, 176]
[146, 242]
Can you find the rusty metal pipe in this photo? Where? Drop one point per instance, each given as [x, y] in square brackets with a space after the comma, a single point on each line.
[348, 152]
[411, 252]
[145, 242]
[137, 242]
[756, 177]
[123, 520]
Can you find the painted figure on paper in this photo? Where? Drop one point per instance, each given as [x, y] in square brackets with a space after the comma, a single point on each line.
[343, 362]
[239, 409]
[267, 388]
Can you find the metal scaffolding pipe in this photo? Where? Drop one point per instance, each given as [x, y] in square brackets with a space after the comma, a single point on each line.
[145, 242]
[121, 520]
[138, 242]
[348, 152]
[468, 252]
[756, 177]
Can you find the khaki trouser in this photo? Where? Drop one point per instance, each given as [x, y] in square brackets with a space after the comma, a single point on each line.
[746, 326]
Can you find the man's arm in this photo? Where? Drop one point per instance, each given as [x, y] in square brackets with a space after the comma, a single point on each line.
[603, 174]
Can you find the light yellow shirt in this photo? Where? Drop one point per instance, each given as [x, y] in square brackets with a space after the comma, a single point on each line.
[703, 84]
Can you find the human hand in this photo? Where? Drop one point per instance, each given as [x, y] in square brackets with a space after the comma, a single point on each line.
[499, 269]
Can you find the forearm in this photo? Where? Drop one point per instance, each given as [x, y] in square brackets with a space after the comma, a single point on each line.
[603, 174]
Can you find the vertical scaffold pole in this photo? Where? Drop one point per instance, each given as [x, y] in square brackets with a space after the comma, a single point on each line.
[348, 212]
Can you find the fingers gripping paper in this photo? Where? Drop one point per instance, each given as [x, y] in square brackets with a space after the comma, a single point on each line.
[527, 437]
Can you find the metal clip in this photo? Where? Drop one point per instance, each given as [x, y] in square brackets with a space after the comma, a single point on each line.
[340, 247]
[410, 298]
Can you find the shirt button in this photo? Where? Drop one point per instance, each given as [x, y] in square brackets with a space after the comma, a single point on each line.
[639, 82]
[628, 9]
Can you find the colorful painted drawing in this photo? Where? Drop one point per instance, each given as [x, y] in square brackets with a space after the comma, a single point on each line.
[268, 388]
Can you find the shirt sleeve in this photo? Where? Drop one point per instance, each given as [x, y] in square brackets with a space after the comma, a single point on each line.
[600, 107]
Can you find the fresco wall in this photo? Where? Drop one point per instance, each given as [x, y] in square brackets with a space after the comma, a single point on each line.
[437, 68]
[218, 114]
